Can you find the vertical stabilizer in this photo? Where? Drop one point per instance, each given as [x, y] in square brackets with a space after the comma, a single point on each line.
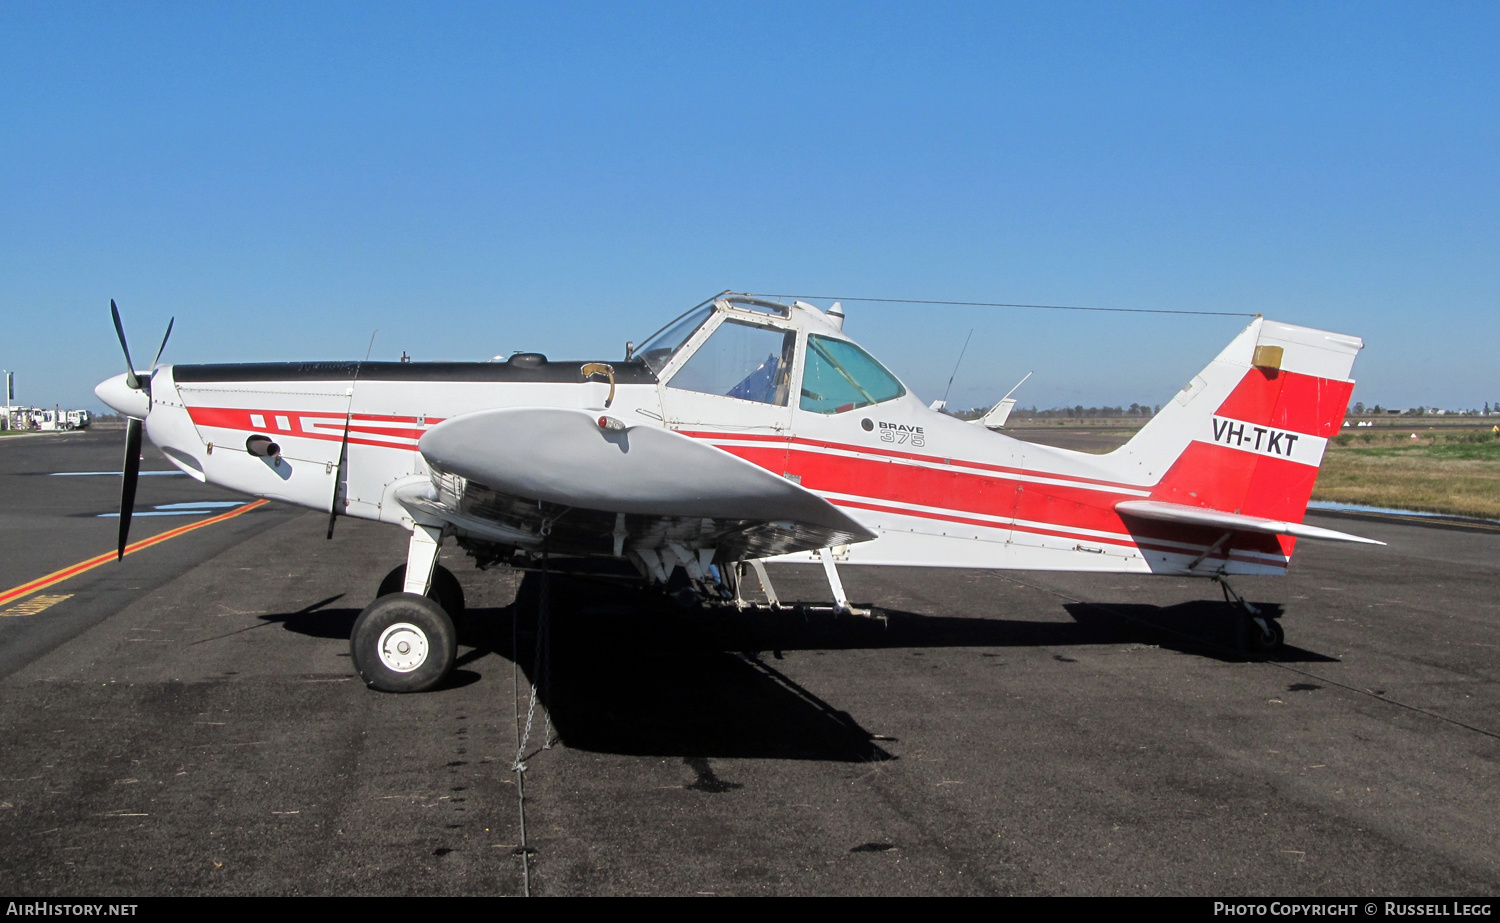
[998, 414]
[1247, 434]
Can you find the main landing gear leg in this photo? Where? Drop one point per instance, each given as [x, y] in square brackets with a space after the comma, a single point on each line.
[404, 641]
[1255, 631]
[421, 556]
[765, 583]
[442, 587]
[840, 598]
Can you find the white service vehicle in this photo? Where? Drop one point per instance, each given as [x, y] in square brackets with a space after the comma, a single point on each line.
[52, 420]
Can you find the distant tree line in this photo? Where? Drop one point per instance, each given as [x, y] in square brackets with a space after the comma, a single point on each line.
[1076, 412]
[1359, 409]
[1079, 411]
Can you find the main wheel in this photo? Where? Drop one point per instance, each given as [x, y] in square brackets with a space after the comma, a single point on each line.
[1264, 642]
[403, 643]
[446, 591]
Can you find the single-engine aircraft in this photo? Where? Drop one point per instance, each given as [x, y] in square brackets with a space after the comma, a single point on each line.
[746, 429]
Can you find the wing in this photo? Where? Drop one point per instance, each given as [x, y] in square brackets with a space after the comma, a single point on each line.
[522, 476]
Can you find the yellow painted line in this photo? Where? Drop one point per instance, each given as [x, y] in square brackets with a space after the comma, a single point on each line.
[33, 606]
[56, 577]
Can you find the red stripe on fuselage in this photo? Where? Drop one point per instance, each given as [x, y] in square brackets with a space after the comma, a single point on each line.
[957, 496]
[791, 441]
[364, 428]
[948, 488]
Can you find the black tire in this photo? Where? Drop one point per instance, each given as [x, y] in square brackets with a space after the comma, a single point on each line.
[446, 591]
[403, 643]
[1264, 642]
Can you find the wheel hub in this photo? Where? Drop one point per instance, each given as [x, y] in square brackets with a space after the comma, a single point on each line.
[403, 647]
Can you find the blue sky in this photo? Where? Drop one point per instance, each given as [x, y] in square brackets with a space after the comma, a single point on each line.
[472, 179]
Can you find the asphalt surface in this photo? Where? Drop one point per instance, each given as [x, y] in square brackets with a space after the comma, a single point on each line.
[59, 505]
[187, 722]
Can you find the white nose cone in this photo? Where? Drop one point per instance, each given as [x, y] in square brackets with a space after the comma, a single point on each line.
[132, 402]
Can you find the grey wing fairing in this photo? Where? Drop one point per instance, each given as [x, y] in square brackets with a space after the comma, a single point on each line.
[519, 475]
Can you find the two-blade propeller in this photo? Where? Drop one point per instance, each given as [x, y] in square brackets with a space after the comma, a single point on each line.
[134, 426]
[130, 473]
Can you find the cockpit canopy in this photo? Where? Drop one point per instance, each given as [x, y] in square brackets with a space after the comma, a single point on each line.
[659, 348]
[751, 354]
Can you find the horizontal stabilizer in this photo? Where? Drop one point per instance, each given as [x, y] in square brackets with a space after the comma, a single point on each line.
[1238, 522]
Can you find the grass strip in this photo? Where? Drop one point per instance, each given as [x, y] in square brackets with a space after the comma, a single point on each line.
[1457, 473]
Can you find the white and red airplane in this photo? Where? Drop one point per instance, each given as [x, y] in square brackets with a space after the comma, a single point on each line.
[746, 429]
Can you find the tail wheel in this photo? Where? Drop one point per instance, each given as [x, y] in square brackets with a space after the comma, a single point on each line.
[446, 591]
[403, 643]
[1264, 640]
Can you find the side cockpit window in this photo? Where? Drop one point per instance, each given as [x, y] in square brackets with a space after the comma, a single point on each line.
[740, 360]
[840, 376]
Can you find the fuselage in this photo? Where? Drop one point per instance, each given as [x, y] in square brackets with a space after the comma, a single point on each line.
[935, 490]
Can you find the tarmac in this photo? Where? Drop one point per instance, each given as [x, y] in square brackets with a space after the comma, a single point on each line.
[187, 722]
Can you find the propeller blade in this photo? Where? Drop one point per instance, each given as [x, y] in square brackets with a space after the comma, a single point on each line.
[130, 376]
[163, 344]
[130, 474]
[338, 477]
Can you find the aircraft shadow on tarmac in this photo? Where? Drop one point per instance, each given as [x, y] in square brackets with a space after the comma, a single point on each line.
[316, 620]
[634, 673]
[1204, 627]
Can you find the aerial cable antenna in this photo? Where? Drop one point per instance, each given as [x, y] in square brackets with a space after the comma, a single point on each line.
[341, 472]
[1018, 385]
[956, 365]
[1002, 304]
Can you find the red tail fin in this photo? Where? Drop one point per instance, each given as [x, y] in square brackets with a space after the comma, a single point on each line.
[1247, 435]
[1266, 443]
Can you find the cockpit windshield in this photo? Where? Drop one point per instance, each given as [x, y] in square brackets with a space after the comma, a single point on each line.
[658, 351]
[661, 346]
